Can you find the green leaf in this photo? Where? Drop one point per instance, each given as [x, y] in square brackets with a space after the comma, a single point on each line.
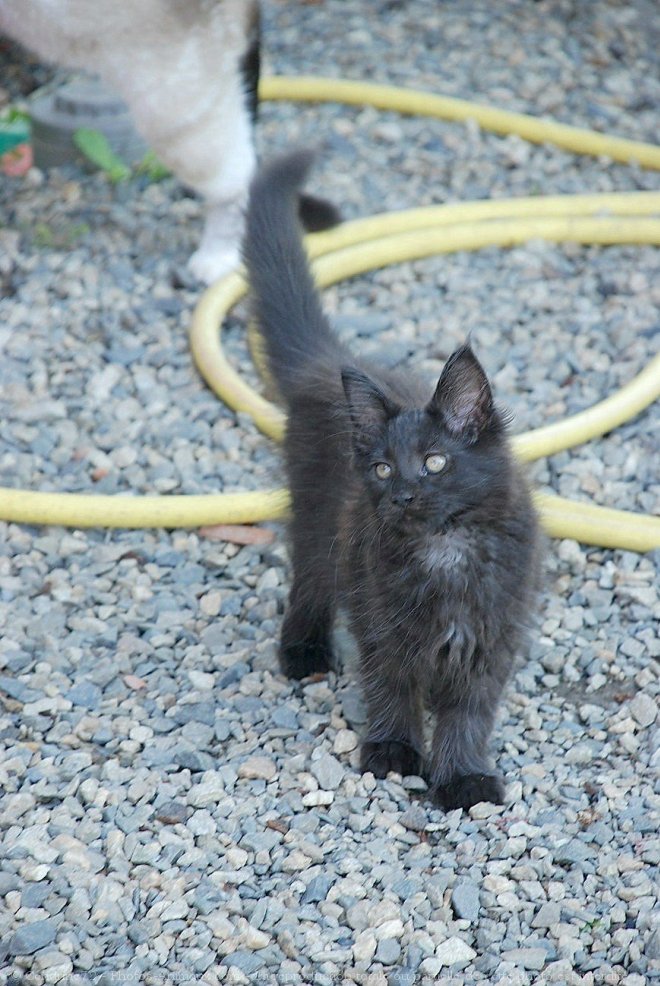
[150, 166]
[43, 236]
[59, 235]
[94, 145]
[14, 115]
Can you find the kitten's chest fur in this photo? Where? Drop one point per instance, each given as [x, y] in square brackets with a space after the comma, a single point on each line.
[413, 591]
[434, 602]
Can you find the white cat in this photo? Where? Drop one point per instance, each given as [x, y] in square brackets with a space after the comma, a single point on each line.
[188, 70]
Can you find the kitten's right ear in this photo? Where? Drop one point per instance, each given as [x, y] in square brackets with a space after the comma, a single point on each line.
[367, 404]
[463, 397]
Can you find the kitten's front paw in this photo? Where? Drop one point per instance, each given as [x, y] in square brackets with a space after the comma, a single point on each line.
[301, 660]
[463, 792]
[381, 757]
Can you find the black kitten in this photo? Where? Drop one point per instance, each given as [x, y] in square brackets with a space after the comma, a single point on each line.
[409, 511]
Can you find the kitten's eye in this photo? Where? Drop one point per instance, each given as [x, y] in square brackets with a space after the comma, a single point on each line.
[435, 463]
[382, 470]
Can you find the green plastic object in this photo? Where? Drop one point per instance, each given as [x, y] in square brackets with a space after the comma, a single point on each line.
[12, 133]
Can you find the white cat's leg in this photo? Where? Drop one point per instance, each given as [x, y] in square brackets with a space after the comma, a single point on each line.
[219, 250]
[195, 112]
[231, 166]
[213, 153]
[226, 147]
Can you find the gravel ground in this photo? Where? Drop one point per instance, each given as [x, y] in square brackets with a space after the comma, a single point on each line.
[174, 810]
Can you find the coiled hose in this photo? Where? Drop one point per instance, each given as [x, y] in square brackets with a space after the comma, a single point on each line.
[366, 244]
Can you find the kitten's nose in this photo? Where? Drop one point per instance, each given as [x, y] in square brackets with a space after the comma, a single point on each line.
[403, 498]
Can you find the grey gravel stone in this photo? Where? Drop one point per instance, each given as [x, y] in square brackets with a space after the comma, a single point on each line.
[248, 962]
[401, 977]
[285, 717]
[528, 958]
[465, 900]
[644, 709]
[34, 894]
[575, 853]
[172, 813]
[548, 915]
[32, 937]
[652, 947]
[8, 882]
[437, 884]
[85, 694]
[388, 951]
[316, 890]
[454, 952]
[258, 768]
[415, 818]
[18, 690]
[328, 771]
[194, 760]
[208, 897]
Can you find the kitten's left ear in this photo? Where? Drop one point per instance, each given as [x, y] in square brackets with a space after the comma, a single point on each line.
[463, 398]
[368, 406]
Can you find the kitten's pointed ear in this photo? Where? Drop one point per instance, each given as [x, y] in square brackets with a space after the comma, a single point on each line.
[368, 406]
[463, 398]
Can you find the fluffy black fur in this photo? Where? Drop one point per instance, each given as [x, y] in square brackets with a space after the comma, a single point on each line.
[407, 508]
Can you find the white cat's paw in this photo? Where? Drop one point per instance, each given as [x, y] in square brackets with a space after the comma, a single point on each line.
[209, 265]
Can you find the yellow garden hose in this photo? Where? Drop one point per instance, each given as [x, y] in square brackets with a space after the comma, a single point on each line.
[316, 89]
[561, 517]
[332, 265]
[370, 243]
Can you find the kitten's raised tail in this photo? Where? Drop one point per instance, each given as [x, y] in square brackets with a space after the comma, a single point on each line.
[285, 298]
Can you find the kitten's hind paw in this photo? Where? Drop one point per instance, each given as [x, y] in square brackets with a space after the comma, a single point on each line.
[381, 757]
[463, 792]
[301, 660]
